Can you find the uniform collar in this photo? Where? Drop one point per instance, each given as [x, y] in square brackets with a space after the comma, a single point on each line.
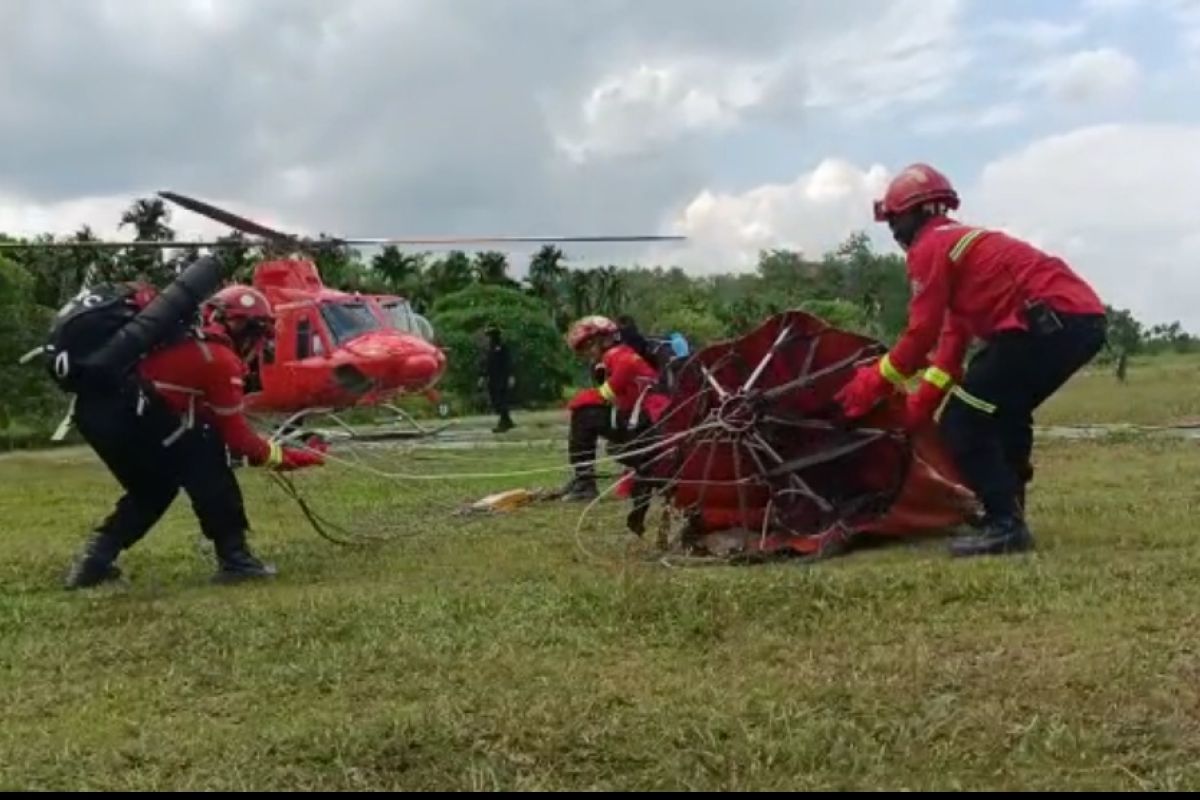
[932, 224]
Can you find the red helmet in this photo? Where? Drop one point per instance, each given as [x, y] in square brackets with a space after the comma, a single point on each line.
[239, 302]
[245, 314]
[588, 328]
[917, 185]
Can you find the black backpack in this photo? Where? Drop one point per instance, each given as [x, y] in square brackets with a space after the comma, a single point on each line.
[85, 323]
[98, 337]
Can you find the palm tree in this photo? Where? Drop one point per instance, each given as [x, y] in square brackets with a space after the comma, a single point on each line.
[611, 293]
[546, 272]
[491, 268]
[547, 280]
[399, 269]
[149, 218]
[581, 292]
[450, 274]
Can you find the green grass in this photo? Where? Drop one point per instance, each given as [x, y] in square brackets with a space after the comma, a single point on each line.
[1163, 390]
[505, 652]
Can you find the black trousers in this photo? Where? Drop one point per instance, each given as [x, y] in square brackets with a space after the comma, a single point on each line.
[592, 423]
[131, 446]
[588, 426]
[988, 427]
[498, 395]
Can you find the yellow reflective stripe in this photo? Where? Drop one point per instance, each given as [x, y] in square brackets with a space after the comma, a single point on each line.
[939, 378]
[889, 371]
[276, 456]
[607, 392]
[962, 245]
[974, 402]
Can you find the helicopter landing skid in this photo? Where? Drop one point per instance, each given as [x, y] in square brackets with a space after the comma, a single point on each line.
[297, 426]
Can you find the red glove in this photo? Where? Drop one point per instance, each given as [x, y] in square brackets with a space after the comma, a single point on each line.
[294, 458]
[865, 389]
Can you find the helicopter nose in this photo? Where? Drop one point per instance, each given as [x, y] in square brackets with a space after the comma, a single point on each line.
[424, 367]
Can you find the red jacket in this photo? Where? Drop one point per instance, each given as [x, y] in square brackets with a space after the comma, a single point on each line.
[971, 283]
[207, 376]
[628, 378]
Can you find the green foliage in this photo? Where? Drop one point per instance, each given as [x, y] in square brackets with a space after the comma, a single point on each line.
[701, 328]
[541, 361]
[27, 393]
[842, 314]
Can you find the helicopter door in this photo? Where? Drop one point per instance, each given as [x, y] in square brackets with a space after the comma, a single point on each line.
[308, 341]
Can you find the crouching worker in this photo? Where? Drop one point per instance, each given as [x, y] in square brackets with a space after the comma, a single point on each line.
[169, 421]
[622, 410]
[1039, 322]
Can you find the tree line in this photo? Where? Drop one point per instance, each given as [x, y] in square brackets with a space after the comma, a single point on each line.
[852, 286]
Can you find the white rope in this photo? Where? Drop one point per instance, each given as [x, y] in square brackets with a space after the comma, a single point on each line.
[510, 474]
[583, 515]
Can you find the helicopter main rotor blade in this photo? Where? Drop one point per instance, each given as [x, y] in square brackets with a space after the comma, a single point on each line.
[487, 239]
[109, 245]
[320, 244]
[228, 218]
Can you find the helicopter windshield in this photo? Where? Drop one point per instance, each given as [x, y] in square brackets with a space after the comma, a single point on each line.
[404, 319]
[346, 320]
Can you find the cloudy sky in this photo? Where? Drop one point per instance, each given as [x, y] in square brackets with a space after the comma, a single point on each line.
[771, 123]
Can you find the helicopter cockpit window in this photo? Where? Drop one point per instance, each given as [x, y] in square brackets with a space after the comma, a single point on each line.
[348, 320]
[303, 339]
[404, 319]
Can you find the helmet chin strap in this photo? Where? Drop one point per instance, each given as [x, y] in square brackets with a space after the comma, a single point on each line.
[906, 226]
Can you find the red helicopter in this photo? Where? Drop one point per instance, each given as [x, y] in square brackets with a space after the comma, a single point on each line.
[334, 350]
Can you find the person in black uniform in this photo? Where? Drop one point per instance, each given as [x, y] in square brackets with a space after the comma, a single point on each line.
[498, 374]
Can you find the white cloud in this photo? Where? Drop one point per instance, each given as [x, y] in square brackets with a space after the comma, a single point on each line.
[1112, 199]
[993, 116]
[1185, 14]
[23, 216]
[1087, 76]
[1037, 33]
[912, 53]
[1103, 7]
[909, 53]
[650, 105]
[811, 214]
[379, 117]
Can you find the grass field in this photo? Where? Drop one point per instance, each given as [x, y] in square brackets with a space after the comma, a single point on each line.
[512, 653]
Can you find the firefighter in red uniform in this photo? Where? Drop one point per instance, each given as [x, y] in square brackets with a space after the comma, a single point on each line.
[1040, 323]
[173, 427]
[622, 410]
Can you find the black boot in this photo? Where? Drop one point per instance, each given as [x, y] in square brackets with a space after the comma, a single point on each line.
[237, 563]
[642, 495]
[635, 520]
[1000, 535]
[581, 488]
[96, 564]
